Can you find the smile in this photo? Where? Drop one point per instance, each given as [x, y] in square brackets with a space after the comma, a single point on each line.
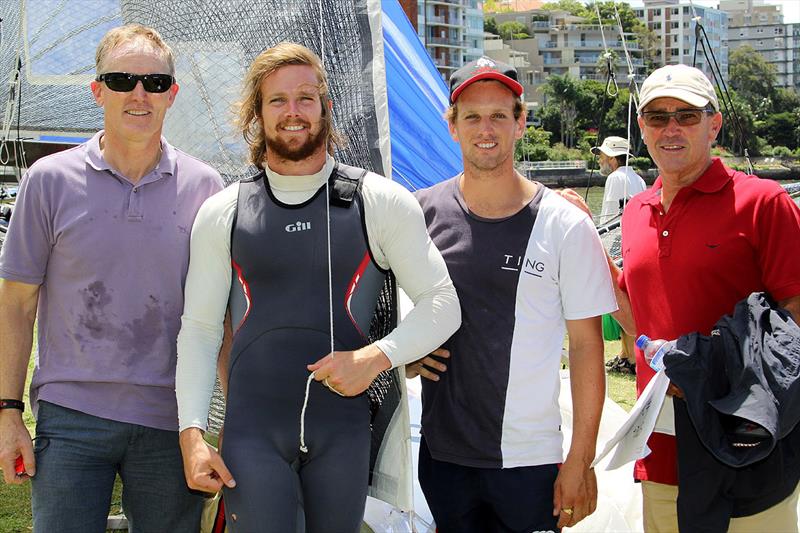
[486, 145]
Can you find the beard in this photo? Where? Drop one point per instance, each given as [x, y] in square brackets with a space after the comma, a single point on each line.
[296, 151]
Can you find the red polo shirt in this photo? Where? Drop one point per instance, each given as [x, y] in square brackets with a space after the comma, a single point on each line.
[725, 236]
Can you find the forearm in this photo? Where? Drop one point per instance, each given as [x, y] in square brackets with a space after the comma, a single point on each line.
[588, 394]
[16, 332]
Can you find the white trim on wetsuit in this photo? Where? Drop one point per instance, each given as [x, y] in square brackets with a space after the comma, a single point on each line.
[397, 237]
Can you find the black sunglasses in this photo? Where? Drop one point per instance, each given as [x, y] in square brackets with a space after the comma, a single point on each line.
[684, 117]
[122, 82]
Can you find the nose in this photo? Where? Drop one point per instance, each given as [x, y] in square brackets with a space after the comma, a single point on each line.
[138, 89]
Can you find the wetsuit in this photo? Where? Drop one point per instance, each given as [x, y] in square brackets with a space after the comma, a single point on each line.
[279, 255]
[269, 236]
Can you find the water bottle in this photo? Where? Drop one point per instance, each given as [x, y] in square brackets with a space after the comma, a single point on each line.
[654, 351]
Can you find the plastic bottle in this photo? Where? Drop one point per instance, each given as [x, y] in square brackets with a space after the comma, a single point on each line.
[654, 351]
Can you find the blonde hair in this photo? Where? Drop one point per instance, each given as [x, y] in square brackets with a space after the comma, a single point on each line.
[133, 33]
[248, 109]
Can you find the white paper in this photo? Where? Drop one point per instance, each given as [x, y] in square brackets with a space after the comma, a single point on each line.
[630, 440]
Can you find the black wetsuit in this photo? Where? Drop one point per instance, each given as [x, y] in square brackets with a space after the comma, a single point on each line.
[280, 316]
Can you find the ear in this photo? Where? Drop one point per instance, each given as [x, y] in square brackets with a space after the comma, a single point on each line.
[716, 125]
[640, 121]
[173, 91]
[97, 92]
[520, 127]
[452, 127]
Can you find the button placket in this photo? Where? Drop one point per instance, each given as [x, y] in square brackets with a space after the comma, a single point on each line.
[135, 203]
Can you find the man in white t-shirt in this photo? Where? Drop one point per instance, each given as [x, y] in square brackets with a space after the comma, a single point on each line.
[622, 182]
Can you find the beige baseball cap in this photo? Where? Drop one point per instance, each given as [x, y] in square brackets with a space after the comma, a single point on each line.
[678, 81]
[612, 147]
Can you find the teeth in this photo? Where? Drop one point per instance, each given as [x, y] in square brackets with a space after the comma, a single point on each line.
[293, 128]
[138, 113]
[487, 145]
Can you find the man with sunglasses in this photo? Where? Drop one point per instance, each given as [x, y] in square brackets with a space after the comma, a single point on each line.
[700, 240]
[98, 250]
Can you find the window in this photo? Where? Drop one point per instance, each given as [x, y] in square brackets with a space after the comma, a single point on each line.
[760, 30]
[675, 10]
[656, 25]
[686, 51]
[674, 24]
[674, 38]
[685, 10]
[674, 51]
[657, 12]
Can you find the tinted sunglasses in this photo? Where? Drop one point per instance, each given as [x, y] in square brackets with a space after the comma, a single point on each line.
[684, 117]
[122, 82]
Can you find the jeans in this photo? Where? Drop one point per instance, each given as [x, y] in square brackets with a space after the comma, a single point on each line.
[77, 459]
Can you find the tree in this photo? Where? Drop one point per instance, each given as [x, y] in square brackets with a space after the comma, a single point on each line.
[609, 16]
[563, 92]
[490, 25]
[752, 77]
[534, 145]
[730, 136]
[779, 129]
[650, 43]
[513, 30]
[573, 7]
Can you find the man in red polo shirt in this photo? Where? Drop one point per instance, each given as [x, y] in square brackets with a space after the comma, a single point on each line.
[701, 239]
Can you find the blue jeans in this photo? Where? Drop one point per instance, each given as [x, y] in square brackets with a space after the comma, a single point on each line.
[77, 459]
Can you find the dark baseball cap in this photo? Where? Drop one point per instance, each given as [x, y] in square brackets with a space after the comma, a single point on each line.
[484, 68]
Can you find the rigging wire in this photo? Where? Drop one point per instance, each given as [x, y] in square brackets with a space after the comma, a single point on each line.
[702, 41]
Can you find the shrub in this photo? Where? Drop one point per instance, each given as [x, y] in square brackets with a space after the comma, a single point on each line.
[781, 151]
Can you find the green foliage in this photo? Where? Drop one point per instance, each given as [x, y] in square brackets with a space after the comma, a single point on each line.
[559, 152]
[609, 17]
[490, 25]
[779, 129]
[641, 163]
[573, 7]
[782, 152]
[751, 75]
[512, 30]
[534, 145]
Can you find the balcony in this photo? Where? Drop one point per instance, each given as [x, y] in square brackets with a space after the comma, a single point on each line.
[441, 41]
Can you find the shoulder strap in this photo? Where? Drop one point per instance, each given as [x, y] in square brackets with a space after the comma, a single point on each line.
[345, 183]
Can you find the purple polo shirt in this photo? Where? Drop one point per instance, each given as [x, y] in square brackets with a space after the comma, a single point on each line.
[111, 258]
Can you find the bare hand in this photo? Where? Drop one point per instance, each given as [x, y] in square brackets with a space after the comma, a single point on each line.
[203, 467]
[425, 367]
[674, 390]
[575, 491]
[350, 373]
[575, 199]
[15, 441]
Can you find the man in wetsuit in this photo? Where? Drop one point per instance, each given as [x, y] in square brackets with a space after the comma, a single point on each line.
[527, 266]
[98, 250]
[261, 249]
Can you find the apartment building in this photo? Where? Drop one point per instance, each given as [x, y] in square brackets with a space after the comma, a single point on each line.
[452, 32]
[675, 23]
[759, 26]
[561, 43]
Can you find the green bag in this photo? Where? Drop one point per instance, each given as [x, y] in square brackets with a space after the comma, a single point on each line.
[611, 329]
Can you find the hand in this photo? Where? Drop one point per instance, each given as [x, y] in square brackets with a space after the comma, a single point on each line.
[576, 490]
[203, 467]
[575, 199]
[350, 373]
[424, 367]
[674, 390]
[15, 441]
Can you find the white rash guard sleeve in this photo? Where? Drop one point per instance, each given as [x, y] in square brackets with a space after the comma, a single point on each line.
[398, 240]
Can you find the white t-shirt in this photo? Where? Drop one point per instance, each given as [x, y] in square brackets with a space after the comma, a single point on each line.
[622, 183]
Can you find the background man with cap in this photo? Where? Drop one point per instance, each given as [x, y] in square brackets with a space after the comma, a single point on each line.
[622, 181]
[701, 239]
[621, 184]
[527, 266]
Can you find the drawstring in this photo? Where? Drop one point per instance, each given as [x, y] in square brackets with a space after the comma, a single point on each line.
[303, 447]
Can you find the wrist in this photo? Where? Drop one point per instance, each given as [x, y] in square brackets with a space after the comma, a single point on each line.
[379, 361]
[11, 403]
